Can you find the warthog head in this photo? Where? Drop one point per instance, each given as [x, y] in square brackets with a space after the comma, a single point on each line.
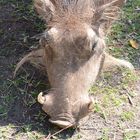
[74, 52]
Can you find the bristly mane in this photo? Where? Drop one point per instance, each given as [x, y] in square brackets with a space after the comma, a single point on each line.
[74, 13]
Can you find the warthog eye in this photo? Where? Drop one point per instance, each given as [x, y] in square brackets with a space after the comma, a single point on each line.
[94, 45]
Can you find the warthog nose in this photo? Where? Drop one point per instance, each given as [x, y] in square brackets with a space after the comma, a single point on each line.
[62, 124]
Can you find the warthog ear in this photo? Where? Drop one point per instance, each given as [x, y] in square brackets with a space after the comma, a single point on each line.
[45, 8]
[106, 11]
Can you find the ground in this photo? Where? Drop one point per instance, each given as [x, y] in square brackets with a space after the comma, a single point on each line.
[116, 111]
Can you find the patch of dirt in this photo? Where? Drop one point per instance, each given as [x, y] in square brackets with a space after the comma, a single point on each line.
[15, 93]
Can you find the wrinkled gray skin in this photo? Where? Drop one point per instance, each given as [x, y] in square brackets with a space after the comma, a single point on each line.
[72, 57]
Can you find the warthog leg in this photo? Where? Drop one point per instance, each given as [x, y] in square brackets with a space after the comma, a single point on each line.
[111, 62]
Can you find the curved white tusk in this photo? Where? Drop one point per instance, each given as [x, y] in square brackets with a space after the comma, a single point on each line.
[40, 98]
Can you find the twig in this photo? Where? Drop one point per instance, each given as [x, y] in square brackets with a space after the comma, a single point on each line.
[130, 99]
[7, 88]
[49, 136]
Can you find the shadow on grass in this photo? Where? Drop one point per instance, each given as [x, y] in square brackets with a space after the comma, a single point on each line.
[18, 105]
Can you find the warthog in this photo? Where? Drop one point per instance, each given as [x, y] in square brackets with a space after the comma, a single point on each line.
[73, 53]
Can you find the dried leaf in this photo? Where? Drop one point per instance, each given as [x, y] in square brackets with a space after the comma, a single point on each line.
[133, 44]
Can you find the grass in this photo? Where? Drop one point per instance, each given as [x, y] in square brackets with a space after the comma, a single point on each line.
[105, 134]
[118, 42]
[127, 115]
[131, 135]
[111, 97]
[24, 130]
[110, 89]
[109, 92]
[125, 29]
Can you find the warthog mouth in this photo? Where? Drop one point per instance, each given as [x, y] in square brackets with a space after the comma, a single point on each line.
[61, 123]
[63, 120]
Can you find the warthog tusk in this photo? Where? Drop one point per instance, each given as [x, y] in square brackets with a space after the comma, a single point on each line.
[40, 98]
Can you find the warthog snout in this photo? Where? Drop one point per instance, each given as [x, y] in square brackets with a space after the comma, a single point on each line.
[66, 113]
